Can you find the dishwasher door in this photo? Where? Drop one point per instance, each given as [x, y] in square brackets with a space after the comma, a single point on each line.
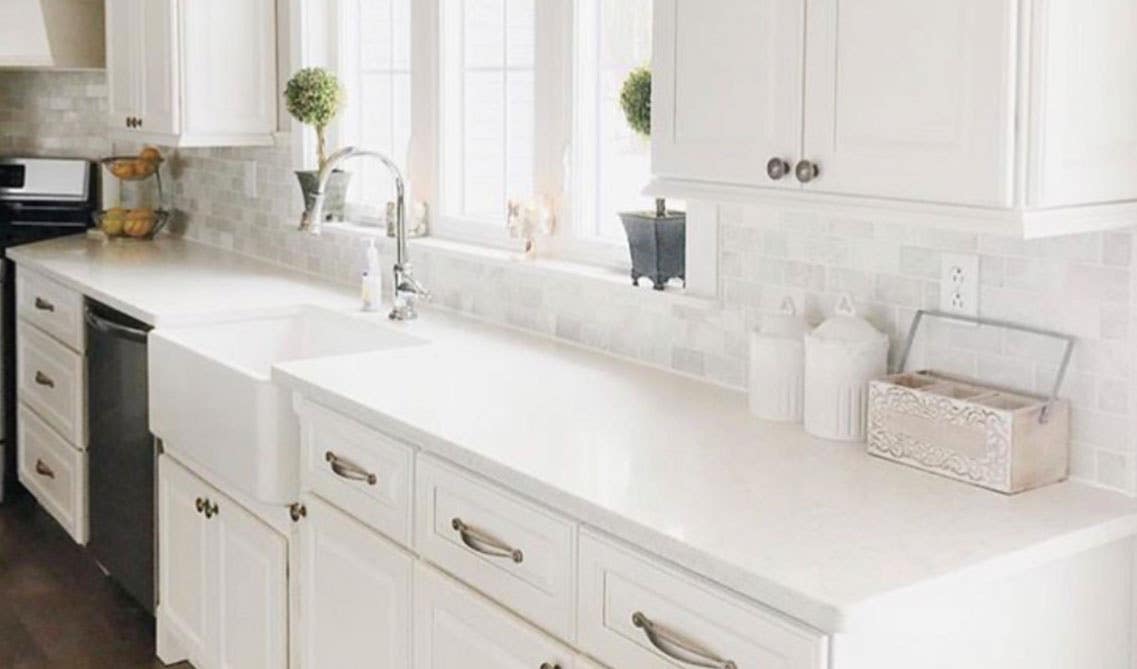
[121, 452]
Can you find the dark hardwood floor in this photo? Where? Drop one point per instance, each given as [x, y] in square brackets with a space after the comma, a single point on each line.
[57, 610]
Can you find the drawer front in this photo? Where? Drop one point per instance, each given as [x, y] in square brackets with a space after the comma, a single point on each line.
[636, 612]
[54, 472]
[363, 472]
[54, 309]
[456, 627]
[50, 379]
[515, 551]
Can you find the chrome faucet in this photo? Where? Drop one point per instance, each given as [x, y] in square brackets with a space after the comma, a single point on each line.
[407, 289]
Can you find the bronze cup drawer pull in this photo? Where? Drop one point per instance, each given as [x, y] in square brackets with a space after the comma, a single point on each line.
[480, 542]
[44, 305]
[346, 469]
[43, 470]
[44, 380]
[678, 647]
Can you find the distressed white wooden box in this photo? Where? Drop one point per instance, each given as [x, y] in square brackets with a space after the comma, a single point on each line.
[990, 438]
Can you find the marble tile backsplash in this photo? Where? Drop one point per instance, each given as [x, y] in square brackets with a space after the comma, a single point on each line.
[53, 114]
[246, 200]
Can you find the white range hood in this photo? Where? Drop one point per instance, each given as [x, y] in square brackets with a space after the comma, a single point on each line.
[55, 34]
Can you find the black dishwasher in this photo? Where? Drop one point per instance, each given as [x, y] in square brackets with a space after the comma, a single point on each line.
[121, 452]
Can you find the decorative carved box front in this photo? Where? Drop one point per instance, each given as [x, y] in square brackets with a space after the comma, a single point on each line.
[981, 436]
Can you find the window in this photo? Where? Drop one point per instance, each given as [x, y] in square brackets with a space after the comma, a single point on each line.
[513, 99]
[612, 163]
[487, 107]
[375, 66]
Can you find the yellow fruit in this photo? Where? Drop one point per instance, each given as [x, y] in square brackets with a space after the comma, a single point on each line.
[113, 227]
[150, 154]
[144, 168]
[115, 213]
[142, 213]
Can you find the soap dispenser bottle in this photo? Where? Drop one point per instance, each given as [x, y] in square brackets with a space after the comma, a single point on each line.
[372, 288]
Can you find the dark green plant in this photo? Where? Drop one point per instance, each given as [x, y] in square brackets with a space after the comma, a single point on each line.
[635, 99]
[313, 96]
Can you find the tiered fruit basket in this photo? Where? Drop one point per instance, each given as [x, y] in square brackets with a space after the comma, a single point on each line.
[137, 222]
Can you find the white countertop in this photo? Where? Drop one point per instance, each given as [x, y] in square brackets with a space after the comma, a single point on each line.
[819, 530]
[170, 281]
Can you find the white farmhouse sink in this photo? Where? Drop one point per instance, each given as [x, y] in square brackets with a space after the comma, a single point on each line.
[212, 399]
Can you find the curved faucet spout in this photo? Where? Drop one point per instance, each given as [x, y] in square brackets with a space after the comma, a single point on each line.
[407, 289]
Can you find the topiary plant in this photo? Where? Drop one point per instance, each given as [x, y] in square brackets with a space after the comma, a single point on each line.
[635, 99]
[313, 96]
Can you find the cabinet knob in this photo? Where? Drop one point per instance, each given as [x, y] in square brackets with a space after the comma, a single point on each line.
[807, 171]
[777, 168]
[211, 509]
[199, 504]
[550, 665]
[297, 511]
[137, 123]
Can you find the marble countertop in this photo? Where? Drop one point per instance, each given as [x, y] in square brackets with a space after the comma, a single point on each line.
[818, 530]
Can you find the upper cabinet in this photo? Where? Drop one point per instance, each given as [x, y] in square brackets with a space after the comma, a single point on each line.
[200, 73]
[990, 115]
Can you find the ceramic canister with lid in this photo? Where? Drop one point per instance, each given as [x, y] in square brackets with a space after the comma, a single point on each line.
[777, 365]
[841, 356]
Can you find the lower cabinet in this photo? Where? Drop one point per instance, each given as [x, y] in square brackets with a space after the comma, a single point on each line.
[455, 627]
[353, 599]
[222, 578]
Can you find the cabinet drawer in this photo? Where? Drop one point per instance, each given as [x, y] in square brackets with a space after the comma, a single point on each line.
[358, 469]
[54, 472]
[49, 306]
[636, 612]
[455, 627]
[510, 549]
[50, 380]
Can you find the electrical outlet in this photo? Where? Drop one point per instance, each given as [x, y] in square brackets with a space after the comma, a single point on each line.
[959, 284]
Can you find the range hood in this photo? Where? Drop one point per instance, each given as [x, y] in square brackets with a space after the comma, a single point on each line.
[52, 34]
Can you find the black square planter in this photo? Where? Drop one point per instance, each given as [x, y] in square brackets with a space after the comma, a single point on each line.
[658, 245]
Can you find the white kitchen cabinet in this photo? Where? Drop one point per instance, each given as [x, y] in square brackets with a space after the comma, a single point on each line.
[455, 627]
[912, 100]
[222, 578]
[199, 73]
[733, 99]
[985, 115]
[353, 599]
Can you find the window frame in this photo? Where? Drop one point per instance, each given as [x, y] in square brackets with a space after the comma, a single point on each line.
[319, 30]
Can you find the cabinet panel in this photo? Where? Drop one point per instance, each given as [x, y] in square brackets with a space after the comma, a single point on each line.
[158, 92]
[727, 94]
[251, 626]
[123, 60]
[454, 627]
[54, 472]
[183, 563]
[354, 599]
[1084, 152]
[912, 99]
[52, 380]
[224, 94]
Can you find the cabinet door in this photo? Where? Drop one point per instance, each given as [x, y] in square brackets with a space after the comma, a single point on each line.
[229, 67]
[158, 81]
[1083, 153]
[184, 561]
[250, 586]
[727, 91]
[123, 60]
[455, 627]
[353, 608]
[912, 99]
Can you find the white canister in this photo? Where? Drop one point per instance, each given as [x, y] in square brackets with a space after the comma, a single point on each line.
[777, 366]
[841, 356]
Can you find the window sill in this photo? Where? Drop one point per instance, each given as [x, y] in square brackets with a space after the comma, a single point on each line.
[552, 268]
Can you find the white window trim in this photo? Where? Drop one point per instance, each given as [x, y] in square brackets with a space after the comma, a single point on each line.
[313, 35]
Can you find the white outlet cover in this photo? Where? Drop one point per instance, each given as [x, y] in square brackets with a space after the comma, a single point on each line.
[959, 284]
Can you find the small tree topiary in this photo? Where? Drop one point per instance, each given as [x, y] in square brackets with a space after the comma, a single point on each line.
[313, 96]
[635, 99]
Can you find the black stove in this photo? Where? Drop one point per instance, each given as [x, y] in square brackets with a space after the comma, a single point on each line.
[40, 198]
